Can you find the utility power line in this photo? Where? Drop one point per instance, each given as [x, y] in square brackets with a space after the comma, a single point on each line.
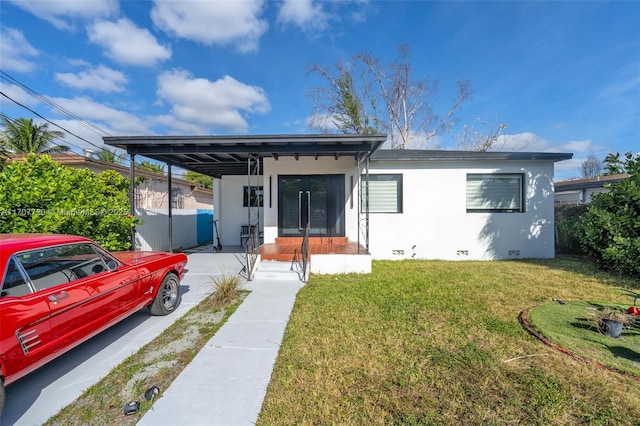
[55, 106]
[47, 120]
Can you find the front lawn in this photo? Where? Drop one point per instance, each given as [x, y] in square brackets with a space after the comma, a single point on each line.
[432, 342]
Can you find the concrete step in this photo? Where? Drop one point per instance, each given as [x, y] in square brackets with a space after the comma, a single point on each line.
[274, 270]
[278, 257]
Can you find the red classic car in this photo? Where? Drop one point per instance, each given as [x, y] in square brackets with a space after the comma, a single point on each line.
[59, 290]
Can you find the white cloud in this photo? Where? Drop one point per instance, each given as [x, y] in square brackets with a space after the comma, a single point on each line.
[532, 142]
[16, 52]
[213, 22]
[18, 94]
[316, 15]
[100, 78]
[568, 168]
[577, 146]
[219, 104]
[303, 13]
[110, 119]
[76, 135]
[61, 13]
[178, 126]
[125, 43]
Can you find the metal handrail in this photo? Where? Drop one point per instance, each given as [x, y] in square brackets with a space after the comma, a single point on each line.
[251, 251]
[304, 251]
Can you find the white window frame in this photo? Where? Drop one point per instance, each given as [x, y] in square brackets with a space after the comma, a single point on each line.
[385, 193]
[495, 193]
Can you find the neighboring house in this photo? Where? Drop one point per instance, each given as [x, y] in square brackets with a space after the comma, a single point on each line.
[153, 192]
[193, 205]
[579, 191]
[398, 204]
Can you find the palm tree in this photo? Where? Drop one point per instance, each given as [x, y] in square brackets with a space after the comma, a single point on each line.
[613, 165]
[4, 157]
[23, 136]
[109, 156]
[148, 166]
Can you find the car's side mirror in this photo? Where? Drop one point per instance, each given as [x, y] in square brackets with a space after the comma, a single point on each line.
[112, 265]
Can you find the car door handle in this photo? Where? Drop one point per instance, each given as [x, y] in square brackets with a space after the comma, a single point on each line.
[55, 298]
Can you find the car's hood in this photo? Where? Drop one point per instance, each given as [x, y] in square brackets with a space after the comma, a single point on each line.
[137, 257]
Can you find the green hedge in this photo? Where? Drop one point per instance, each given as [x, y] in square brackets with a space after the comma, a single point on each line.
[610, 228]
[40, 195]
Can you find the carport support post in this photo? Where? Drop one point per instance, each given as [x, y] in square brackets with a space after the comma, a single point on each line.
[132, 197]
[169, 188]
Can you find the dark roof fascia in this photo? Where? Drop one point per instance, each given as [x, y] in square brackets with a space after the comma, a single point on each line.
[573, 186]
[306, 144]
[229, 155]
[447, 155]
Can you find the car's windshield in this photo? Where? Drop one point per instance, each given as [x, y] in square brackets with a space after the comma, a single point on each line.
[52, 266]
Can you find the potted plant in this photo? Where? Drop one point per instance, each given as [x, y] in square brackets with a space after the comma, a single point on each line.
[610, 321]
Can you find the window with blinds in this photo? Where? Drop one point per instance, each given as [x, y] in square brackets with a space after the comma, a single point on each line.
[495, 193]
[385, 193]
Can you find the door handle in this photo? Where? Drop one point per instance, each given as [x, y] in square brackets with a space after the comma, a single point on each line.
[299, 210]
[55, 298]
[308, 208]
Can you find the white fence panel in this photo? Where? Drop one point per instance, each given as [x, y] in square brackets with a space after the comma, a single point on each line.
[153, 234]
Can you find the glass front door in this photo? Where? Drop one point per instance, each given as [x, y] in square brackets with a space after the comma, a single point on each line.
[314, 199]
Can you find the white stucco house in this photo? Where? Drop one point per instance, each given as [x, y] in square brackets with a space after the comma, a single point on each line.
[391, 204]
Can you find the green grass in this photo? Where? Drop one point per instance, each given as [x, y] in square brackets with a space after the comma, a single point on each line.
[573, 326]
[431, 342]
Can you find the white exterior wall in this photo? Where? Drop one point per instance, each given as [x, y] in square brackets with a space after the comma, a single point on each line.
[228, 208]
[578, 196]
[569, 197]
[309, 166]
[434, 223]
[153, 193]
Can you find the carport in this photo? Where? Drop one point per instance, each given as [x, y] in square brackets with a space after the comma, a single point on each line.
[219, 156]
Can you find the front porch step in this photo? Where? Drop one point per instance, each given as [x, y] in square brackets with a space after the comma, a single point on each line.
[313, 240]
[278, 257]
[275, 270]
[288, 249]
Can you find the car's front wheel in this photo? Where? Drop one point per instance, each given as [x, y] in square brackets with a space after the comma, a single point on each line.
[168, 296]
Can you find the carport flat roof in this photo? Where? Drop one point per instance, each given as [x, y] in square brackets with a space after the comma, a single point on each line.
[229, 155]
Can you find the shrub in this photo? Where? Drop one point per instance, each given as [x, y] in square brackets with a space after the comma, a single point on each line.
[226, 289]
[610, 228]
[38, 195]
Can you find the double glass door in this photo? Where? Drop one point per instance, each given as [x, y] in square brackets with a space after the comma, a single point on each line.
[317, 200]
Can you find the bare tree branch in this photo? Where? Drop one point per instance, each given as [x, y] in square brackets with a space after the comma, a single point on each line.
[354, 95]
[473, 138]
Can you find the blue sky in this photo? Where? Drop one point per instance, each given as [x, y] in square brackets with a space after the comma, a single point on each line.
[563, 76]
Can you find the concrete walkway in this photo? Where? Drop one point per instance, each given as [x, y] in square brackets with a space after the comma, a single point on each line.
[226, 382]
[258, 323]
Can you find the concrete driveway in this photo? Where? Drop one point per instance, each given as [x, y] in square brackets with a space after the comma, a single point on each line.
[41, 394]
